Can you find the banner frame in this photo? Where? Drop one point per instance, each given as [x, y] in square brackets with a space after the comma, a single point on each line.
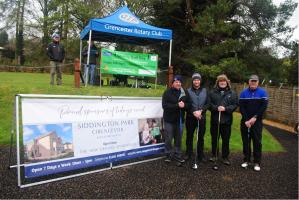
[18, 165]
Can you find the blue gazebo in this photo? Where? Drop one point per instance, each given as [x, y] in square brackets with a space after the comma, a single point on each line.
[123, 26]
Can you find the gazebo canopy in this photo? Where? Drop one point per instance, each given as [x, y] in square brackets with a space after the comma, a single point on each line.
[124, 27]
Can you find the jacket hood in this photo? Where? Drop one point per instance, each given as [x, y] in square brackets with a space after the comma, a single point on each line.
[221, 78]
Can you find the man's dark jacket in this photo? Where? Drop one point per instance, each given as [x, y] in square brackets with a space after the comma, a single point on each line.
[226, 98]
[55, 51]
[170, 105]
[93, 56]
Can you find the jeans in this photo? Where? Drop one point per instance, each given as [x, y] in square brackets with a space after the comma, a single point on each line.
[91, 73]
[172, 131]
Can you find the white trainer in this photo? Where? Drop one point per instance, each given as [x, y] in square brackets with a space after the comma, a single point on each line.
[257, 167]
[244, 164]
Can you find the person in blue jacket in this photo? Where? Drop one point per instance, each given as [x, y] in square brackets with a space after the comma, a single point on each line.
[253, 103]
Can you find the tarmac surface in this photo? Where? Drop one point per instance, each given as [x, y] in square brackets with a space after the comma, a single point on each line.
[278, 178]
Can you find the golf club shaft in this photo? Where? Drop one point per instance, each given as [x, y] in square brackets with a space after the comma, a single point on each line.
[249, 149]
[218, 133]
[196, 151]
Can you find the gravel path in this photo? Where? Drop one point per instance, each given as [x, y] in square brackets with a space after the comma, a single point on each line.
[277, 179]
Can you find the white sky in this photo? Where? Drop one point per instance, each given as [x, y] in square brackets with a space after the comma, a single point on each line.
[294, 20]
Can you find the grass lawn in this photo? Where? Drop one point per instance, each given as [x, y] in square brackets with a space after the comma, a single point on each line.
[12, 83]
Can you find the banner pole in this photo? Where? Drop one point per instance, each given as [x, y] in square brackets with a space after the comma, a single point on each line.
[80, 57]
[18, 140]
[100, 66]
[11, 136]
[100, 77]
[170, 52]
[156, 80]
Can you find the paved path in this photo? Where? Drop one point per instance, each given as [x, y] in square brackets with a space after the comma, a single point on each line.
[278, 179]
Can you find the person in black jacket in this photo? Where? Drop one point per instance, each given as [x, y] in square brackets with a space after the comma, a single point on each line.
[222, 99]
[55, 52]
[196, 117]
[174, 102]
[93, 57]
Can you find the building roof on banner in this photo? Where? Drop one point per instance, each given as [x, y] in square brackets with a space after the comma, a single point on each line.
[124, 26]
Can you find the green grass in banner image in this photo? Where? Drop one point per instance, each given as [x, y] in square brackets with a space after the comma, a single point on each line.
[12, 83]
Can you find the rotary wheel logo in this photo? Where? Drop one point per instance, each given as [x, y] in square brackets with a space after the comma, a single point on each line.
[127, 17]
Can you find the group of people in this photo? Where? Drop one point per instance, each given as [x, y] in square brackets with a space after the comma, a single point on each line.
[56, 54]
[222, 101]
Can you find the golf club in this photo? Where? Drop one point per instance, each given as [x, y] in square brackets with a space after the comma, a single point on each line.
[249, 149]
[179, 164]
[215, 167]
[195, 159]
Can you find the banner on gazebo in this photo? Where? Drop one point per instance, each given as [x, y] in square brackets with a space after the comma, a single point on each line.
[128, 63]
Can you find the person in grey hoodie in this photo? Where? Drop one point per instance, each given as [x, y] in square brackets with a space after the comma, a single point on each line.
[196, 117]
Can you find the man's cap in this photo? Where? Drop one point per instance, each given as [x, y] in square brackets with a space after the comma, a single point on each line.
[177, 78]
[55, 35]
[196, 76]
[254, 78]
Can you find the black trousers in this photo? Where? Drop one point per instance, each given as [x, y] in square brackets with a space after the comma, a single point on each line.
[254, 134]
[225, 132]
[191, 125]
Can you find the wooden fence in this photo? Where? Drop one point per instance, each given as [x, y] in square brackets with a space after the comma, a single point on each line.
[283, 103]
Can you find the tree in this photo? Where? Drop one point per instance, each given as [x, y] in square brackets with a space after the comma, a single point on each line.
[13, 12]
[289, 66]
[227, 36]
[20, 32]
[3, 38]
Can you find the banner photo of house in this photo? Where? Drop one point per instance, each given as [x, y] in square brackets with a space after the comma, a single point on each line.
[128, 63]
[66, 134]
[47, 142]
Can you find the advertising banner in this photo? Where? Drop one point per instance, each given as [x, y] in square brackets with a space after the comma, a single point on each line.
[66, 134]
[127, 63]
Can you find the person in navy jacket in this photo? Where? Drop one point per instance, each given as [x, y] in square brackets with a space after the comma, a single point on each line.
[175, 101]
[253, 103]
[56, 53]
